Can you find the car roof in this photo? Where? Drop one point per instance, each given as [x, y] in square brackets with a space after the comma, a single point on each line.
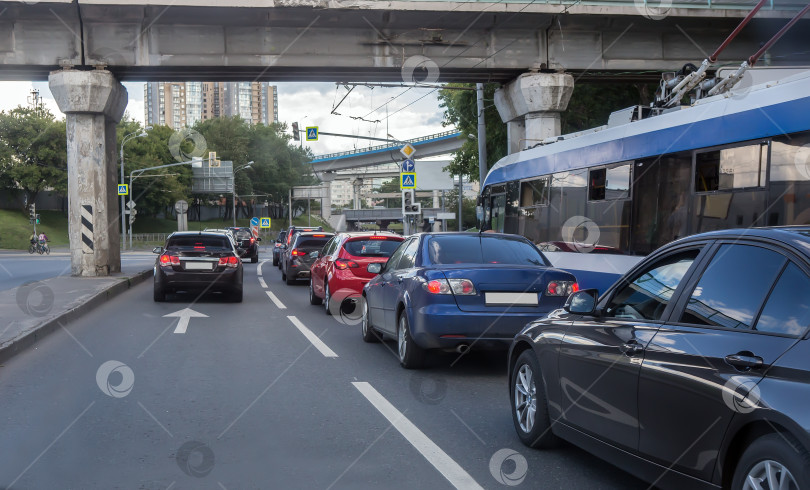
[196, 233]
[797, 237]
[361, 234]
[313, 233]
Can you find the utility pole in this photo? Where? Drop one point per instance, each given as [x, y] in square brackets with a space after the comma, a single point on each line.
[482, 137]
[460, 198]
[289, 197]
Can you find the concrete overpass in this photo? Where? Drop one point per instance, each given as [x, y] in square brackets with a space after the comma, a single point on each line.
[370, 40]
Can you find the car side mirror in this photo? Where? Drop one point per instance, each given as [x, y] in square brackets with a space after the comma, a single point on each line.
[258, 239]
[582, 302]
[374, 267]
[314, 255]
[157, 250]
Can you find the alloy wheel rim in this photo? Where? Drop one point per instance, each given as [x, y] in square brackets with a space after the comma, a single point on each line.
[365, 318]
[326, 298]
[402, 341]
[525, 398]
[769, 475]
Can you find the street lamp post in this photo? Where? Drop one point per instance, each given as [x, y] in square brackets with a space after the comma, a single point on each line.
[123, 213]
[247, 165]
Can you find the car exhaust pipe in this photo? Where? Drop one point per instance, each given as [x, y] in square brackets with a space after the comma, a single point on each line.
[462, 348]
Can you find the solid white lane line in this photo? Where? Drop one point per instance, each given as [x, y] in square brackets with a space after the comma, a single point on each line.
[276, 300]
[259, 268]
[451, 470]
[261, 281]
[318, 343]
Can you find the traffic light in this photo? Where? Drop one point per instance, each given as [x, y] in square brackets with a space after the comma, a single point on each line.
[409, 204]
[32, 212]
[296, 135]
[37, 218]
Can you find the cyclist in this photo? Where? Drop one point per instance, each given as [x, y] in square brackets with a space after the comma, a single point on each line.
[43, 242]
[33, 240]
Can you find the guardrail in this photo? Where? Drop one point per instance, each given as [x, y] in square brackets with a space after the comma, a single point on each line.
[329, 156]
[149, 237]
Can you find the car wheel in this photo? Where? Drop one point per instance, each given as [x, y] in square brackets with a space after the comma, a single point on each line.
[529, 403]
[326, 297]
[275, 260]
[289, 279]
[159, 294]
[255, 258]
[283, 274]
[313, 300]
[236, 296]
[774, 461]
[411, 356]
[369, 334]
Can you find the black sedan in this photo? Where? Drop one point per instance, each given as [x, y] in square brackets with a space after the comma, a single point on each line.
[454, 291]
[198, 261]
[246, 244]
[296, 259]
[692, 371]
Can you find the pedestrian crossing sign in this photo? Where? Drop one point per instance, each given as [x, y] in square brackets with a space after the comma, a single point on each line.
[312, 133]
[407, 180]
[123, 189]
[264, 223]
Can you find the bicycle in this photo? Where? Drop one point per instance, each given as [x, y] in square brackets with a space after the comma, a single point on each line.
[32, 248]
[44, 248]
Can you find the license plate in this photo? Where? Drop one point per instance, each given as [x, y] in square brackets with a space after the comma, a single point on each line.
[198, 266]
[522, 299]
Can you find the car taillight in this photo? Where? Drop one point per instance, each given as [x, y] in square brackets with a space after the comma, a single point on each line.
[297, 253]
[169, 260]
[229, 261]
[561, 288]
[252, 239]
[344, 264]
[375, 237]
[460, 287]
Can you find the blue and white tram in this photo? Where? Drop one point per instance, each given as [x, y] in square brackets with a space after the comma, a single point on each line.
[734, 160]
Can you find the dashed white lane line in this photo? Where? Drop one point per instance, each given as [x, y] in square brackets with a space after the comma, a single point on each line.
[275, 300]
[451, 470]
[318, 343]
[259, 268]
[261, 281]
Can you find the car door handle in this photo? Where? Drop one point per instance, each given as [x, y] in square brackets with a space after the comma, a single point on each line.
[632, 348]
[745, 361]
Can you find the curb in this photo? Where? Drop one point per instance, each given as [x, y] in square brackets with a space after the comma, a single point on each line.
[50, 325]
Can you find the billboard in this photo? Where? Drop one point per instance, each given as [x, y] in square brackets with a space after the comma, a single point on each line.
[211, 179]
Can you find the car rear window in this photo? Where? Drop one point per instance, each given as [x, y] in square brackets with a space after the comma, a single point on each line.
[312, 243]
[378, 247]
[482, 249]
[243, 234]
[203, 241]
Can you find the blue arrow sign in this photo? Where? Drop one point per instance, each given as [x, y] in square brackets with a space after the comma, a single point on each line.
[408, 165]
[254, 221]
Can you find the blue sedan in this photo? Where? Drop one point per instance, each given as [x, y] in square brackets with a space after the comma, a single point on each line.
[454, 291]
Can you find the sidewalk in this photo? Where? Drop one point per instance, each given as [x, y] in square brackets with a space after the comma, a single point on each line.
[35, 309]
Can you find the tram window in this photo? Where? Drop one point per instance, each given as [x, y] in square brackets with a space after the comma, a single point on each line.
[790, 180]
[534, 192]
[731, 168]
[609, 183]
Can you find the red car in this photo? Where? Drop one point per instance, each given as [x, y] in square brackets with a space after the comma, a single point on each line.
[341, 267]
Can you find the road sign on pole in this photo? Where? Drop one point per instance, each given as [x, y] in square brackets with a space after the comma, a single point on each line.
[312, 133]
[408, 165]
[254, 221]
[408, 150]
[407, 180]
[123, 189]
[264, 223]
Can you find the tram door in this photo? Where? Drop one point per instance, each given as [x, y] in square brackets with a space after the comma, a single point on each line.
[498, 215]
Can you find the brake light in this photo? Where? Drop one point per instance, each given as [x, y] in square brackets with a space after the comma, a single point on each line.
[229, 261]
[344, 264]
[375, 237]
[460, 287]
[167, 260]
[295, 252]
[252, 239]
[561, 288]
[319, 236]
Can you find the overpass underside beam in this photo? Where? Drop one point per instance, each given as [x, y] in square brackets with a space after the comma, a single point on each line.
[475, 43]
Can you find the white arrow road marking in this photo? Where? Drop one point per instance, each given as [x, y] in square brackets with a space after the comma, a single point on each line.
[451, 470]
[184, 315]
[261, 281]
[318, 343]
[275, 300]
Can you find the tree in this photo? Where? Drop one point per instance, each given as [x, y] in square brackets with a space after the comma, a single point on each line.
[590, 106]
[33, 152]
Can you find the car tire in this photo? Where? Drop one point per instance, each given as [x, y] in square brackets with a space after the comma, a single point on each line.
[533, 425]
[411, 356]
[369, 334]
[283, 274]
[236, 296]
[255, 258]
[275, 261]
[326, 297]
[313, 300]
[288, 279]
[778, 454]
[159, 294]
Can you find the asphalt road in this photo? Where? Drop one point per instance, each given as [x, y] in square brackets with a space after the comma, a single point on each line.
[17, 268]
[244, 399]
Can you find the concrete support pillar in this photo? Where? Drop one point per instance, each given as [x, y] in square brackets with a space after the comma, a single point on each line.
[326, 202]
[93, 102]
[437, 224]
[531, 107]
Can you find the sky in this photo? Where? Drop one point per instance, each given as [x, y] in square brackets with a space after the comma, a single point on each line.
[412, 113]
